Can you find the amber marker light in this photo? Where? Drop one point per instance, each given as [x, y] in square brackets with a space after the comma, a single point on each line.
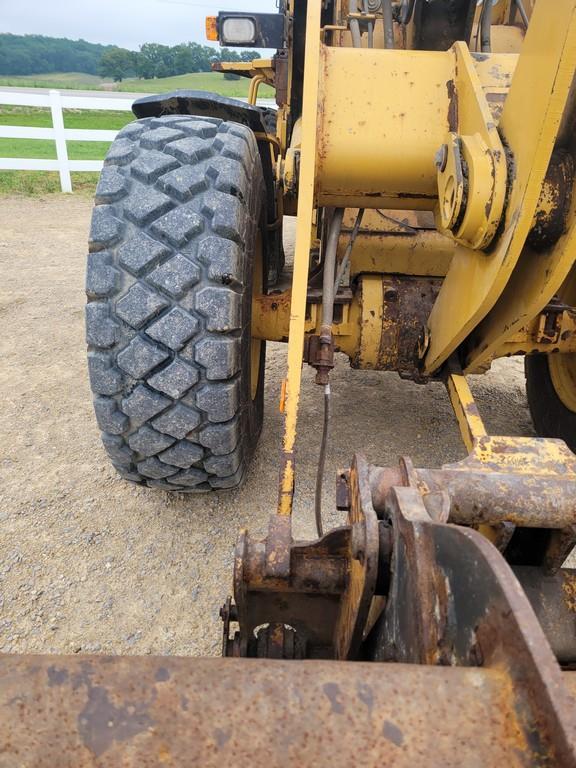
[212, 28]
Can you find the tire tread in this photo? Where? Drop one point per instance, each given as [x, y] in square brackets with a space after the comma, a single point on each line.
[166, 278]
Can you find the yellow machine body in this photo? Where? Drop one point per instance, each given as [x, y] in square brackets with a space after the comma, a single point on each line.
[450, 154]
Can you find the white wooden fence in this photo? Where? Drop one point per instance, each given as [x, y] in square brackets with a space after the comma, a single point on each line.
[58, 101]
[60, 135]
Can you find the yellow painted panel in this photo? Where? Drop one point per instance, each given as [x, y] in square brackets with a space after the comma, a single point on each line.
[530, 122]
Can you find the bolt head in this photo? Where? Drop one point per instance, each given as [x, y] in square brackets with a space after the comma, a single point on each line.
[358, 542]
[391, 294]
[423, 341]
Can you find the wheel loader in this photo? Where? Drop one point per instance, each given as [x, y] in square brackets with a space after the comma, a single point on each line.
[427, 149]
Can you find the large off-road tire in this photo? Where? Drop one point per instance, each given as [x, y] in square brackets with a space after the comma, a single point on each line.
[175, 249]
[551, 392]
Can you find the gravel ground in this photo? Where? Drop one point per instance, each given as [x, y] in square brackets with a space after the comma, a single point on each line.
[91, 563]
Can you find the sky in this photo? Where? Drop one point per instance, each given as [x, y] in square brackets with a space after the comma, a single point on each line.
[127, 23]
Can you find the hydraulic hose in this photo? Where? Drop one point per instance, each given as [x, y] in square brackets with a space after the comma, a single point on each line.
[388, 20]
[522, 11]
[485, 25]
[329, 271]
[346, 258]
[322, 462]
[329, 288]
[328, 297]
[355, 25]
[406, 11]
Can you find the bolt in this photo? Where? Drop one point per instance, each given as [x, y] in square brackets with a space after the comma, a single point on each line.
[358, 542]
[441, 158]
[423, 341]
[391, 294]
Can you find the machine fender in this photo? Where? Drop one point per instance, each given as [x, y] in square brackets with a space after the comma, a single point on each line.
[205, 104]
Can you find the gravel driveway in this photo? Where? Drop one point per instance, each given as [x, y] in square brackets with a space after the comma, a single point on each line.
[91, 563]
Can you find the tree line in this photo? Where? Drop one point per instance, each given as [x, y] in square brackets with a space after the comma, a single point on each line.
[37, 54]
[155, 60]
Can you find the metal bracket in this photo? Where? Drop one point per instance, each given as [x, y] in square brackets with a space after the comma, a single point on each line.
[322, 589]
[471, 165]
[550, 322]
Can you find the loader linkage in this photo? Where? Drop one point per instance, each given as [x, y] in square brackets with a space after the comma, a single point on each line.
[411, 580]
[401, 584]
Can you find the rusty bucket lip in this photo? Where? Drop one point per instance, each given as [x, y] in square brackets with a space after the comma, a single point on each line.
[133, 710]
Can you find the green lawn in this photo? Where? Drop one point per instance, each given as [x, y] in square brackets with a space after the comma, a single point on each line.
[73, 118]
[37, 183]
[75, 80]
[199, 81]
[46, 150]
[42, 182]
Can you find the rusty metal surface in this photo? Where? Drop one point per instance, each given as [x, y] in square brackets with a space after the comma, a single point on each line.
[319, 353]
[489, 692]
[454, 601]
[551, 331]
[553, 599]
[560, 544]
[324, 589]
[377, 324]
[407, 302]
[550, 218]
[530, 482]
[308, 599]
[428, 593]
[136, 712]
[362, 567]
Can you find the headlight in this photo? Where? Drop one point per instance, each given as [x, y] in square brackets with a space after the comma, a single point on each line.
[238, 30]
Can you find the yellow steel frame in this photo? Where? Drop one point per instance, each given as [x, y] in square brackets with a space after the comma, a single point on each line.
[467, 414]
[301, 256]
[497, 292]
[537, 277]
[257, 68]
[530, 122]
[358, 333]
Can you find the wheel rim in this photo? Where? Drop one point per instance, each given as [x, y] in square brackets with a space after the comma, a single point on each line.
[563, 367]
[257, 288]
[563, 374]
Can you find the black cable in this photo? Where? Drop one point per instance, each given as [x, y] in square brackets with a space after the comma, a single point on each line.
[406, 11]
[322, 462]
[411, 230]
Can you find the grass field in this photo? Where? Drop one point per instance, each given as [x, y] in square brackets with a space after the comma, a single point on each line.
[198, 81]
[76, 80]
[43, 182]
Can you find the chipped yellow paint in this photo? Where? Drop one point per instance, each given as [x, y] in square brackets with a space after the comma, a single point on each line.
[529, 123]
[467, 414]
[301, 255]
